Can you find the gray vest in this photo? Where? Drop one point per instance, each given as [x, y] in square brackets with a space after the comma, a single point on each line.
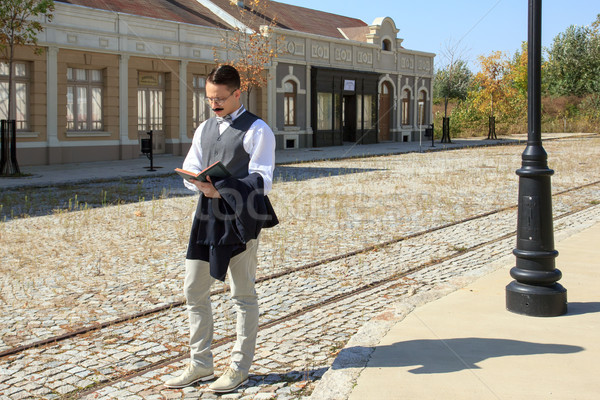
[227, 147]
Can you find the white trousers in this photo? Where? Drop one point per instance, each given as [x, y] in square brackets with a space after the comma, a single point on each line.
[241, 273]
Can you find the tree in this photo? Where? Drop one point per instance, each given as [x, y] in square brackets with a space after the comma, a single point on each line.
[453, 80]
[489, 85]
[498, 88]
[499, 83]
[518, 70]
[19, 25]
[573, 66]
[596, 24]
[250, 46]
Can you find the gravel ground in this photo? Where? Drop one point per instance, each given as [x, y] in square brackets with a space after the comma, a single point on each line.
[81, 261]
[67, 268]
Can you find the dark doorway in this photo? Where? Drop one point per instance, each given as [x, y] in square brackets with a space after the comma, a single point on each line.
[385, 112]
[344, 106]
[349, 118]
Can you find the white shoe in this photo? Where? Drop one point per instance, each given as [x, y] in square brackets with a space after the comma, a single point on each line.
[230, 381]
[191, 374]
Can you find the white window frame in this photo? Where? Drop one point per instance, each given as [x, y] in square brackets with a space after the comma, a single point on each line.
[200, 109]
[91, 82]
[324, 111]
[289, 103]
[20, 116]
[406, 95]
[422, 106]
[364, 111]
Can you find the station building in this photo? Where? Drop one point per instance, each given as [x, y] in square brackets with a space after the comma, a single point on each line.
[113, 70]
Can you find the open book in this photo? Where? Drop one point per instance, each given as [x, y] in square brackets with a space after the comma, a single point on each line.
[216, 172]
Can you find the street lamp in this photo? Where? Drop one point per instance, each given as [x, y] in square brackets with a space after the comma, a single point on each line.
[535, 291]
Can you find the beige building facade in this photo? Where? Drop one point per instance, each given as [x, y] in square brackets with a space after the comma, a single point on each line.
[109, 76]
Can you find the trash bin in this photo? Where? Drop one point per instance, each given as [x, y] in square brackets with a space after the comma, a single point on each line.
[146, 146]
[429, 131]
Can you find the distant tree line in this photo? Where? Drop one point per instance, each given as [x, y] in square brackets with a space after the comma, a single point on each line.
[570, 86]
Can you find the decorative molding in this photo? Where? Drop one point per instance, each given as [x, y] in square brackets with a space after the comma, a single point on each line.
[342, 54]
[292, 77]
[294, 48]
[22, 134]
[320, 50]
[79, 134]
[407, 62]
[364, 57]
[424, 64]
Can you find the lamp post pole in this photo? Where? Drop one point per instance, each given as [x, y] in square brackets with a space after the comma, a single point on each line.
[535, 291]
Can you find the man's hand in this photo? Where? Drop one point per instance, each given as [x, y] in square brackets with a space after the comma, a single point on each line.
[207, 188]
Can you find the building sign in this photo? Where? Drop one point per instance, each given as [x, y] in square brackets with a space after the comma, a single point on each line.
[349, 85]
[148, 79]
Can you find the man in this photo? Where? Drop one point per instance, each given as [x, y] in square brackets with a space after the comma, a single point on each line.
[226, 225]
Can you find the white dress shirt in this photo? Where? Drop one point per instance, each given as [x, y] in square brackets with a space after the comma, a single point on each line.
[259, 143]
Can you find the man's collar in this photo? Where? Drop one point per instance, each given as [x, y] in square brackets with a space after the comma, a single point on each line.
[237, 112]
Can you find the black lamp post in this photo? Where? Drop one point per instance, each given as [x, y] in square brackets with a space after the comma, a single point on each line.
[535, 291]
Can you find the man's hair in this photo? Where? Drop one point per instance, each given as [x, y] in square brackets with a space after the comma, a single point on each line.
[225, 75]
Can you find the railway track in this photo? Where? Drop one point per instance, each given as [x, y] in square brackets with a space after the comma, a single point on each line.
[400, 277]
[105, 324]
[127, 318]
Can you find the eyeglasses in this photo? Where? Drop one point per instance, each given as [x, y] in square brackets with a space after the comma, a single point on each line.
[218, 101]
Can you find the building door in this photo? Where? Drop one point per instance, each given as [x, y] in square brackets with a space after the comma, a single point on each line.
[349, 118]
[151, 94]
[385, 113]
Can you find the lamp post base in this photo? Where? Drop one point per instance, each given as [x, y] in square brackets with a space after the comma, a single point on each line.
[536, 301]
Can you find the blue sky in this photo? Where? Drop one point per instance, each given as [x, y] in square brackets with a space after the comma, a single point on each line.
[478, 26]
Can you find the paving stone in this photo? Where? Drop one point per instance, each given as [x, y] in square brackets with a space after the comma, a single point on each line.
[300, 349]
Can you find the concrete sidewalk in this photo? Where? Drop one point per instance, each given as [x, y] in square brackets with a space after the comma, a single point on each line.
[163, 164]
[466, 345]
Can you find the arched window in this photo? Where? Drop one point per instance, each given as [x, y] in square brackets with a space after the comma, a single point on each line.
[385, 88]
[289, 103]
[386, 45]
[422, 108]
[406, 107]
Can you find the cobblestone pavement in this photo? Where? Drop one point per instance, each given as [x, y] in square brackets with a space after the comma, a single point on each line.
[327, 303]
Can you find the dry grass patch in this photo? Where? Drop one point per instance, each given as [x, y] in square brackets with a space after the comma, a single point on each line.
[127, 257]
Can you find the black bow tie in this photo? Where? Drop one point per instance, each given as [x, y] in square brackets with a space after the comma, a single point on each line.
[223, 119]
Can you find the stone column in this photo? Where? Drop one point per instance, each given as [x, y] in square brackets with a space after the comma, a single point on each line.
[398, 108]
[183, 107]
[272, 96]
[124, 107]
[416, 104]
[308, 102]
[53, 144]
